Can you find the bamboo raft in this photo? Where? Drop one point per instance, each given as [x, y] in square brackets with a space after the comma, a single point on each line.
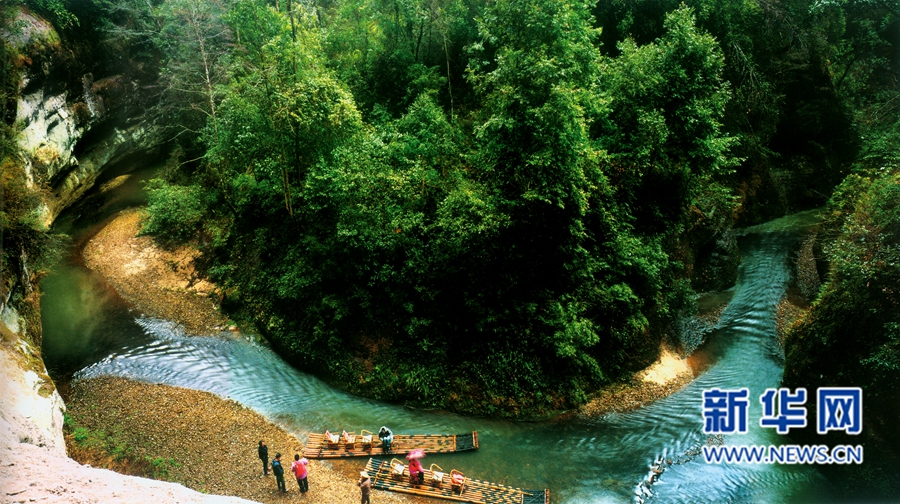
[394, 476]
[319, 447]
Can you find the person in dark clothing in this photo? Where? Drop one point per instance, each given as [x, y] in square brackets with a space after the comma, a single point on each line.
[263, 451]
[365, 487]
[278, 471]
[387, 437]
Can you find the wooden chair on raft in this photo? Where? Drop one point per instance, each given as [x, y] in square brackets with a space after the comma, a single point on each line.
[331, 440]
[365, 439]
[437, 475]
[397, 469]
[457, 481]
[349, 440]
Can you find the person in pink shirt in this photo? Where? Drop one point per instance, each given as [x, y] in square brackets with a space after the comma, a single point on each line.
[298, 467]
[416, 473]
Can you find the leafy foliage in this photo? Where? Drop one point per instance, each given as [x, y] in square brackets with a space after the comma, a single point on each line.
[446, 250]
[850, 336]
[496, 199]
[176, 213]
[58, 11]
[667, 142]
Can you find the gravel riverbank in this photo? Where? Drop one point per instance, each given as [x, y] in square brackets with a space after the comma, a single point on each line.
[199, 440]
[159, 282]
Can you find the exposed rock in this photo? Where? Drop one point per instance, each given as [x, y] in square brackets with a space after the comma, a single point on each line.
[30, 401]
[212, 441]
[74, 126]
[807, 272]
[717, 263]
[34, 465]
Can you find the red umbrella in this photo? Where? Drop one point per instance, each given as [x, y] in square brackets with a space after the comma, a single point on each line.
[416, 454]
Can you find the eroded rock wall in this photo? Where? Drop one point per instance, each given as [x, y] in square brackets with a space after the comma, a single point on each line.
[75, 123]
[33, 462]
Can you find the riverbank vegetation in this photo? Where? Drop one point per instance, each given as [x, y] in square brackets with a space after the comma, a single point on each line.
[492, 207]
[851, 335]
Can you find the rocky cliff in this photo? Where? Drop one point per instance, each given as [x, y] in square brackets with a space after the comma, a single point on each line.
[73, 120]
[72, 126]
[75, 124]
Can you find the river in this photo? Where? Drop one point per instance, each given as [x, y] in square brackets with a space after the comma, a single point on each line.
[90, 331]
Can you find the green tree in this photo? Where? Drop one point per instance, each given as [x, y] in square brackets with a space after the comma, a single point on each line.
[389, 52]
[196, 40]
[850, 336]
[666, 143]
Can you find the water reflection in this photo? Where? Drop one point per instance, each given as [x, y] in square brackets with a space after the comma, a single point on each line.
[83, 320]
[82, 316]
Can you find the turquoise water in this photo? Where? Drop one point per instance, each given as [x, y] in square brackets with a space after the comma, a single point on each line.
[88, 328]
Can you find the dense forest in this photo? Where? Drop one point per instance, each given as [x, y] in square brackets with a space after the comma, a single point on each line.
[474, 202]
[500, 206]
[490, 206]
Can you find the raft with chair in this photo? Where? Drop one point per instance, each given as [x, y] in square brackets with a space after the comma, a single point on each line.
[366, 444]
[454, 485]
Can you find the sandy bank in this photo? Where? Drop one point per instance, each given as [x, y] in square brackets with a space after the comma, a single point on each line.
[665, 376]
[161, 283]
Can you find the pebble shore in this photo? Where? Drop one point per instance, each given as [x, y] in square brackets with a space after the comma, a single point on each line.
[212, 441]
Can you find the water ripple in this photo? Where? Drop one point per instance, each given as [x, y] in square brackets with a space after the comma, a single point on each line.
[603, 460]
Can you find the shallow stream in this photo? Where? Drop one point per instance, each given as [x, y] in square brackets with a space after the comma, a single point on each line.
[89, 331]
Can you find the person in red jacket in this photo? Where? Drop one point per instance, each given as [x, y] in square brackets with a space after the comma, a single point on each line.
[298, 467]
[416, 473]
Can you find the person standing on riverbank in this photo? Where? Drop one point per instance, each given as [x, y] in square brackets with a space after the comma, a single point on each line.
[278, 471]
[263, 452]
[365, 487]
[298, 467]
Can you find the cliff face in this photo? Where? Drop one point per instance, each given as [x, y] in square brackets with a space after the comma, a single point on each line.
[76, 123]
[73, 125]
[74, 119]
[31, 410]
[35, 467]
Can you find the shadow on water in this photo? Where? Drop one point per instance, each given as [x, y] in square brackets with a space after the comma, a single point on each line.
[83, 317]
[602, 460]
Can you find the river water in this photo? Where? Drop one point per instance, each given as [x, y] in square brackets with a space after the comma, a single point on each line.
[90, 331]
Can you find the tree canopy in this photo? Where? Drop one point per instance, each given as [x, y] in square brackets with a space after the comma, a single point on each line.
[495, 206]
